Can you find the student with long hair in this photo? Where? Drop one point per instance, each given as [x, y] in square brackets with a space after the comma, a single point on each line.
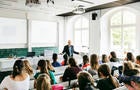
[94, 64]
[104, 58]
[42, 67]
[113, 57]
[65, 61]
[86, 63]
[71, 72]
[107, 81]
[129, 57]
[28, 67]
[85, 80]
[18, 80]
[49, 66]
[127, 66]
[43, 82]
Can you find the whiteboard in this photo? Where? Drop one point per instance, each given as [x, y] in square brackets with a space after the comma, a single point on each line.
[44, 32]
[12, 31]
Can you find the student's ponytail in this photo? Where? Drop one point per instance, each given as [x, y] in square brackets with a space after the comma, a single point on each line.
[105, 70]
[114, 82]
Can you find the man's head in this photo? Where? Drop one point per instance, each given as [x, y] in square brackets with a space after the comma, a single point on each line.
[69, 42]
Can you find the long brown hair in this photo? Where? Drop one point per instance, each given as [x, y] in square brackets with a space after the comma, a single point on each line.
[43, 66]
[84, 78]
[17, 68]
[28, 67]
[94, 61]
[105, 70]
[72, 62]
[130, 57]
[128, 65]
[49, 66]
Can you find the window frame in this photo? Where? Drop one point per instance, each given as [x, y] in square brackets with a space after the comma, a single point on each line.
[122, 26]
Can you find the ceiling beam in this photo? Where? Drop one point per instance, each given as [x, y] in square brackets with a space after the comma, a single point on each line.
[103, 6]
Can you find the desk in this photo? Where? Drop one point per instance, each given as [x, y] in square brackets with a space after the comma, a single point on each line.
[6, 63]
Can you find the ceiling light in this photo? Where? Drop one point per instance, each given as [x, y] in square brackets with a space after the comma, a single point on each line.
[79, 10]
[38, 2]
[32, 2]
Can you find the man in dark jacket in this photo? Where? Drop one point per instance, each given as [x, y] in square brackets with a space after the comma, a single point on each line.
[69, 49]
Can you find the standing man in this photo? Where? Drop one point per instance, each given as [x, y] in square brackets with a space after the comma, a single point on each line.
[69, 49]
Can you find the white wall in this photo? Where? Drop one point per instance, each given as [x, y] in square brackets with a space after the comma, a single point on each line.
[29, 16]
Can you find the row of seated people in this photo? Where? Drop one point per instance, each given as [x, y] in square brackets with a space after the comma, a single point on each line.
[21, 68]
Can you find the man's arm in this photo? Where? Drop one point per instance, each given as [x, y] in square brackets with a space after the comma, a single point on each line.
[64, 50]
[74, 50]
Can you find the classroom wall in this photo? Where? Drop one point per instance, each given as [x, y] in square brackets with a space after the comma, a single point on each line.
[20, 49]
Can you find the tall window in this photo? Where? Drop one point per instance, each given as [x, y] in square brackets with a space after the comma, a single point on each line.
[123, 31]
[81, 34]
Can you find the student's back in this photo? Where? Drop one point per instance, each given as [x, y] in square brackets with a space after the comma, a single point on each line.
[105, 84]
[18, 80]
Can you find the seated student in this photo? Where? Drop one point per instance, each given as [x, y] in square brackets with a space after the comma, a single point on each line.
[132, 80]
[71, 72]
[113, 57]
[49, 66]
[106, 61]
[105, 58]
[94, 64]
[138, 61]
[85, 81]
[42, 67]
[129, 57]
[43, 82]
[86, 64]
[28, 68]
[127, 66]
[18, 80]
[65, 61]
[106, 82]
[55, 63]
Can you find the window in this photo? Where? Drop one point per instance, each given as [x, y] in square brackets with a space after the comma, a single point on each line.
[123, 31]
[81, 34]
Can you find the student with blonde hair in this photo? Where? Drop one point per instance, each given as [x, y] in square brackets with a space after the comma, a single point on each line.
[49, 66]
[28, 67]
[43, 82]
[128, 65]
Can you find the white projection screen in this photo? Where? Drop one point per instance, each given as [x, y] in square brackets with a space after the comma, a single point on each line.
[13, 31]
[44, 32]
